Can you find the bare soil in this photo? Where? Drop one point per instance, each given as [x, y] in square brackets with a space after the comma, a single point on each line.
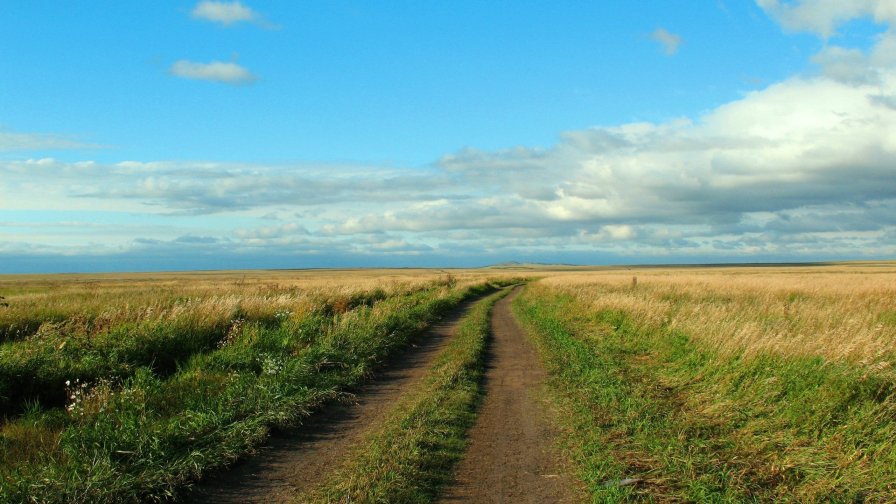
[295, 461]
[512, 455]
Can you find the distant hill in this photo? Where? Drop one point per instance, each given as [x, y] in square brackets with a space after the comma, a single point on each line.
[529, 265]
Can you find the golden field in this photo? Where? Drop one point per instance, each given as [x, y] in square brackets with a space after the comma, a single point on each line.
[840, 311]
[651, 365]
[90, 303]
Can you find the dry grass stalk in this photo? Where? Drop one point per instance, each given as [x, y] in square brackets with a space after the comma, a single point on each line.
[840, 312]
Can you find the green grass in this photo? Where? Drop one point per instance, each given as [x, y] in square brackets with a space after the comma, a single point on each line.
[36, 369]
[688, 424]
[414, 453]
[144, 438]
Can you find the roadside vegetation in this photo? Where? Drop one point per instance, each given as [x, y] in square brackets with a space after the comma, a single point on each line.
[34, 370]
[672, 385]
[144, 433]
[724, 385]
[413, 455]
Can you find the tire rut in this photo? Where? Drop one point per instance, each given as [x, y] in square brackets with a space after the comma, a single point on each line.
[295, 460]
[512, 455]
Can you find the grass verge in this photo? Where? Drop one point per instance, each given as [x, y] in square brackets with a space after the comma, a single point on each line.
[144, 439]
[35, 370]
[651, 414]
[413, 455]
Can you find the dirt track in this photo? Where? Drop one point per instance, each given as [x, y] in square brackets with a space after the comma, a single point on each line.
[512, 456]
[295, 461]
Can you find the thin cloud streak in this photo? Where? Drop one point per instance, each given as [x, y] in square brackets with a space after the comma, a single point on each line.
[225, 13]
[215, 71]
[16, 141]
[668, 40]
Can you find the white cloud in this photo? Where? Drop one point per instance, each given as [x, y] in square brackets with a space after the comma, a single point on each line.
[823, 16]
[855, 66]
[805, 168]
[217, 71]
[14, 141]
[225, 13]
[667, 39]
[845, 65]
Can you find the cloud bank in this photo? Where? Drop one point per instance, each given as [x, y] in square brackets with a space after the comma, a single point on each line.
[804, 169]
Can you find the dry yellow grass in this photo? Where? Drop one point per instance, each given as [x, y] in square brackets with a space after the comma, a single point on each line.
[839, 312]
[84, 304]
[844, 311]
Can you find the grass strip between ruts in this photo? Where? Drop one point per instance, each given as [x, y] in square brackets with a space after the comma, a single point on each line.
[415, 452]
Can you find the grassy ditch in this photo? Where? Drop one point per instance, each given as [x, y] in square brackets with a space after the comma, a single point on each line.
[145, 437]
[654, 414]
[413, 455]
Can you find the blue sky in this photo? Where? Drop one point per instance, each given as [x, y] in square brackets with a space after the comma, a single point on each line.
[401, 82]
[219, 134]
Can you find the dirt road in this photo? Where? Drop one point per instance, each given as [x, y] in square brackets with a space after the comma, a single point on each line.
[512, 456]
[295, 461]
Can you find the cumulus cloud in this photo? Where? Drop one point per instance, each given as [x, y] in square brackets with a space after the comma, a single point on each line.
[845, 65]
[667, 39]
[216, 71]
[802, 167]
[225, 13]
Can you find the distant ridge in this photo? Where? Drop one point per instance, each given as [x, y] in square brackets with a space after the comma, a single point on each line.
[517, 265]
[529, 265]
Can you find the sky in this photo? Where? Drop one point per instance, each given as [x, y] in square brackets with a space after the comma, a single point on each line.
[141, 136]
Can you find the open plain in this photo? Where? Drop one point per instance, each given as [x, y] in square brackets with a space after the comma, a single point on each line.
[521, 383]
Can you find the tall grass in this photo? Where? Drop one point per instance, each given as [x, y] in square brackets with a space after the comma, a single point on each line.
[661, 402]
[144, 436]
[835, 312]
[84, 305]
[35, 369]
[62, 327]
